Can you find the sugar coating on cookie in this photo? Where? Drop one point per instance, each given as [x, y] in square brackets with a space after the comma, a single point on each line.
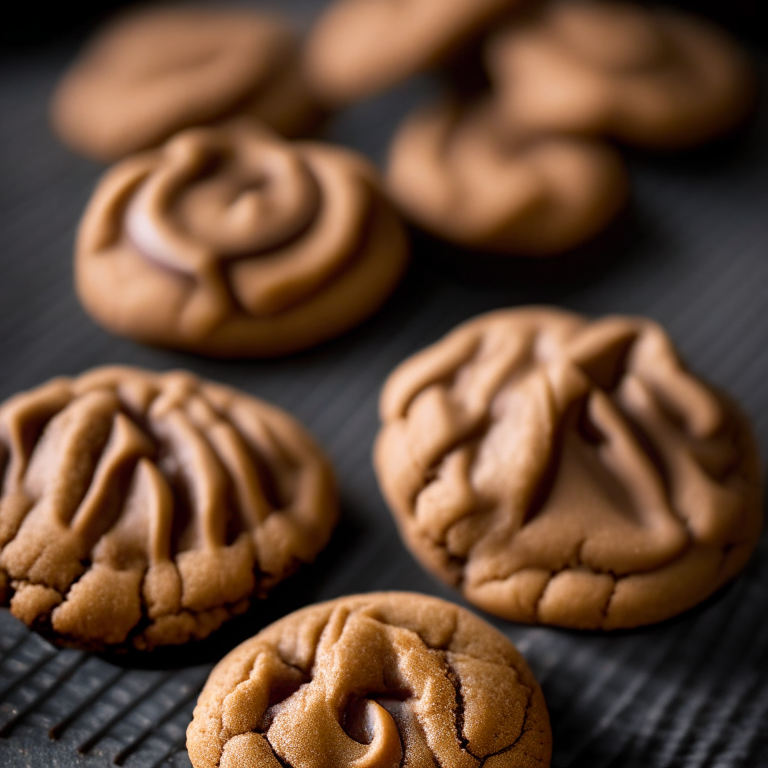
[378, 680]
[454, 170]
[156, 71]
[231, 241]
[141, 509]
[360, 47]
[568, 472]
[650, 77]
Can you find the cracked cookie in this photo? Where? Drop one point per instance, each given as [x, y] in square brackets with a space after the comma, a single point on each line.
[141, 509]
[568, 472]
[650, 77]
[375, 681]
[233, 242]
[154, 72]
[453, 172]
[360, 47]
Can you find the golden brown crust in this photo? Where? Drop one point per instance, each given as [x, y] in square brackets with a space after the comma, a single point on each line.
[567, 472]
[232, 242]
[144, 509]
[359, 47]
[154, 72]
[379, 681]
[649, 77]
[458, 174]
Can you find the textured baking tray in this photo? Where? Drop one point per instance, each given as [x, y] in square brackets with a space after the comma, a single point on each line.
[691, 252]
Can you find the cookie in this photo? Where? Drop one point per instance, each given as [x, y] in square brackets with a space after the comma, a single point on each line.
[384, 679]
[454, 171]
[142, 509]
[231, 241]
[649, 77]
[568, 472]
[360, 47]
[156, 71]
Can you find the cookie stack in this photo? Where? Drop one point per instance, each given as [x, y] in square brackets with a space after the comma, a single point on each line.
[553, 469]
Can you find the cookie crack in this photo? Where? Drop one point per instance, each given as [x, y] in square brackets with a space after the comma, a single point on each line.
[606, 609]
[453, 678]
[509, 748]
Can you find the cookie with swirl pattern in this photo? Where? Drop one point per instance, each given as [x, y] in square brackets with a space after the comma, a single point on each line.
[360, 47]
[233, 242]
[153, 72]
[373, 681]
[653, 78]
[141, 509]
[568, 472]
[456, 171]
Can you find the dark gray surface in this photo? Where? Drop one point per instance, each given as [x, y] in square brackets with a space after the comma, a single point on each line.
[692, 252]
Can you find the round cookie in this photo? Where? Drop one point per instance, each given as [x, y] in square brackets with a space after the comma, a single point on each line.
[141, 509]
[650, 77]
[360, 47]
[455, 173]
[230, 241]
[156, 71]
[384, 679]
[568, 472]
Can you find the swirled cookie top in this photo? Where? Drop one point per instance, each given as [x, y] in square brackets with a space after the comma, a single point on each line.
[456, 170]
[379, 680]
[142, 508]
[535, 442]
[234, 226]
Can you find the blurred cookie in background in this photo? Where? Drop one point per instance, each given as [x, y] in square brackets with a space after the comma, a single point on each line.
[653, 78]
[233, 242]
[360, 47]
[152, 72]
[143, 509]
[456, 172]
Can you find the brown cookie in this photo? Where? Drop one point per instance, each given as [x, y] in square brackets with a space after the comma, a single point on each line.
[141, 509]
[230, 241]
[360, 47]
[568, 472]
[156, 71]
[454, 171]
[378, 680]
[650, 77]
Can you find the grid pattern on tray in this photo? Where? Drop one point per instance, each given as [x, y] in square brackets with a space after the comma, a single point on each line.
[692, 252]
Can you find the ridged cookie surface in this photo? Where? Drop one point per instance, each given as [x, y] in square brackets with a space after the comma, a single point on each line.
[568, 472]
[143, 509]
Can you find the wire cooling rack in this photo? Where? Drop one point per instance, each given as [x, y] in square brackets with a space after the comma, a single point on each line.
[692, 252]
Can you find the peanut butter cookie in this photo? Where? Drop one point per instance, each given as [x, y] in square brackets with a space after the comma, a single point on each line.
[360, 47]
[155, 71]
[379, 680]
[650, 77]
[141, 509]
[233, 242]
[568, 472]
[456, 172]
